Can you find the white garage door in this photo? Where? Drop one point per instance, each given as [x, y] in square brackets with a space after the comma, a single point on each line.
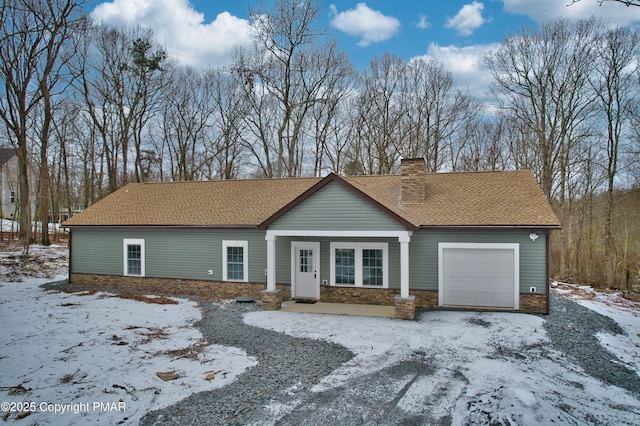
[482, 275]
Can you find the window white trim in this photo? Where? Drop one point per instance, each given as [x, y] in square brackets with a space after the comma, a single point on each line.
[358, 247]
[125, 267]
[245, 259]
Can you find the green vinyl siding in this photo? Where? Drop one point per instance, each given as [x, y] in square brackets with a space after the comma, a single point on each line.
[169, 253]
[335, 208]
[423, 260]
[191, 253]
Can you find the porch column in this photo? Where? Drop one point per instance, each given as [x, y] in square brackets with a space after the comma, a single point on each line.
[404, 265]
[271, 262]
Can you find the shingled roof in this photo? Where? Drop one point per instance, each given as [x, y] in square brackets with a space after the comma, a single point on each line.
[507, 198]
[478, 199]
[6, 154]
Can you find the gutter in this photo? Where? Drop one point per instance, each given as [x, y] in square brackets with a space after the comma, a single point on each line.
[489, 227]
[161, 226]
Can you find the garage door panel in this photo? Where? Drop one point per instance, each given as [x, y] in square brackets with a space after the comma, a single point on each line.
[482, 277]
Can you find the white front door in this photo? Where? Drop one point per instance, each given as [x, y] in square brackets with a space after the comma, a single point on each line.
[305, 276]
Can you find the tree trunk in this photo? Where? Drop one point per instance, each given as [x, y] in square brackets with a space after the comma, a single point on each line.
[609, 249]
[25, 198]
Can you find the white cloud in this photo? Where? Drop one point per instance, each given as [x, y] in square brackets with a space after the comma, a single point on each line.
[466, 65]
[368, 24]
[546, 10]
[180, 28]
[424, 22]
[468, 19]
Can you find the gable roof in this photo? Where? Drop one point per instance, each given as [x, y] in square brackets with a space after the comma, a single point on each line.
[470, 199]
[6, 154]
[332, 177]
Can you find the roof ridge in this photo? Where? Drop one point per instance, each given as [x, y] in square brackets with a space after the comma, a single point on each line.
[459, 172]
[190, 182]
[477, 172]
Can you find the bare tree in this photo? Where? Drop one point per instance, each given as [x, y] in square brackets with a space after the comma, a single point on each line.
[435, 111]
[625, 2]
[616, 89]
[230, 107]
[31, 56]
[486, 146]
[541, 77]
[186, 122]
[378, 114]
[119, 76]
[286, 75]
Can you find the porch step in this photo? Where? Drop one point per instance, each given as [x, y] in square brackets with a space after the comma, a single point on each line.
[340, 309]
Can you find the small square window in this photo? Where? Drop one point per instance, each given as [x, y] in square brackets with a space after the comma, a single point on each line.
[306, 260]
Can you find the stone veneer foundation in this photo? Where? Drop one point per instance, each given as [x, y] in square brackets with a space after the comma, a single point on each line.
[423, 299]
[176, 287]
[405, 307]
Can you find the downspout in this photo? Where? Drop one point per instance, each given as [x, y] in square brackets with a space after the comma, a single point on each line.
[70, 256]
[548, 248]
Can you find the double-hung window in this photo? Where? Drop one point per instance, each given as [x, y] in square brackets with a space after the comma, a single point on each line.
[133, 255]
[360, 264]
[235, 265]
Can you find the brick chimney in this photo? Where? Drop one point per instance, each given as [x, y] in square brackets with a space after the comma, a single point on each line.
[413, 173]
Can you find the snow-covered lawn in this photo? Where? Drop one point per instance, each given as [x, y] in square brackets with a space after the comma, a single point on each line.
[96, 356]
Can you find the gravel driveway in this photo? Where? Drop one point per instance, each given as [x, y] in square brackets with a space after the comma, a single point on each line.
[288, 367]
[285, 373]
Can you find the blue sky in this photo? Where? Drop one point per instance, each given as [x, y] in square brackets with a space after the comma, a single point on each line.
[203, 33]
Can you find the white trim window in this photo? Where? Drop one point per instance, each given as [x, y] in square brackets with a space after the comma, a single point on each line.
[235, 261]
[133, 255]
[360, 265]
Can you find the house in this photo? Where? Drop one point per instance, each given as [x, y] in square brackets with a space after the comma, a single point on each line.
[417, 240]
[9, 195]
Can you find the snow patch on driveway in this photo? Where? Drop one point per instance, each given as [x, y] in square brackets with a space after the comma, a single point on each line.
[449, 367]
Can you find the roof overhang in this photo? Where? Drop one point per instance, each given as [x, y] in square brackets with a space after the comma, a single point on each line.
[130, 226]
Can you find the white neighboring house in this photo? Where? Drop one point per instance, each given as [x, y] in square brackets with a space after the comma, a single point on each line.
[10, 197]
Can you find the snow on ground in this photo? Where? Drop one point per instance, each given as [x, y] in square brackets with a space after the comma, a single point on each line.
[69, 351]
[41, 262]
[626, 313]
[73, 352]
[487, 367]
[9, 226]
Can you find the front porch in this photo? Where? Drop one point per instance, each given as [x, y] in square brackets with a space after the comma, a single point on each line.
[317, 274]
[340, 309]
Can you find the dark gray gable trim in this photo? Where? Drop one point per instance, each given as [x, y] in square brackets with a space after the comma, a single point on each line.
[332, 177]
